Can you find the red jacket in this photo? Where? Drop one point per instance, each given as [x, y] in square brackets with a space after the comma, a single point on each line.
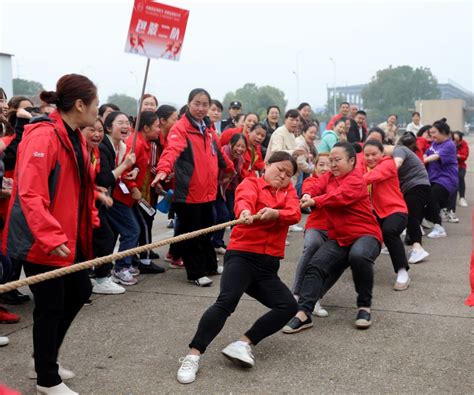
[253, 163]
[5, 201]
[463, 154]
[194, 158]
[422, 146]
[317, 219]
[143, 155]
[384, 188]
[227, 135]
[267, 238]
[44, 211]
[346, 203]
[333, 120]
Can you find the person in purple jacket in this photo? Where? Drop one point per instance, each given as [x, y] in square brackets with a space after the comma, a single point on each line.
[441, 162]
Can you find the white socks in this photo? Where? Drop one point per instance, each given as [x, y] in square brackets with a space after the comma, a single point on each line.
[402, 276]
[240, 343]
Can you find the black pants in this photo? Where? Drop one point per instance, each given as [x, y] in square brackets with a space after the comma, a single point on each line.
[257, 276]
[57, 302]
[392, 227]
[416, 199]
[439, 199]
[103, 243]
[462, 182]
[328, 264]
[146, 225]
[198, 253]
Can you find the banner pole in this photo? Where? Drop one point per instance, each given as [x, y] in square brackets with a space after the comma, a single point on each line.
[137, 122]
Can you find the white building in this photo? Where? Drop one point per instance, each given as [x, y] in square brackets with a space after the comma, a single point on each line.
[6, 76]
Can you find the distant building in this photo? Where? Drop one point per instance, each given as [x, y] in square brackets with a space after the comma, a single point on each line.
[459, 102]
[6, 76]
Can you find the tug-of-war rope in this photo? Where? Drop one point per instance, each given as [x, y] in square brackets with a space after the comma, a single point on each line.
[112, 257]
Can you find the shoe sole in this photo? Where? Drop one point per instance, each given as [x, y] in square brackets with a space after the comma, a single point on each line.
[287, 330]
[238, 361]
[119, 281]
[438, 236]
[362, 324]
[9, 322]
[108, 293]
[176, 267]
[419, 260]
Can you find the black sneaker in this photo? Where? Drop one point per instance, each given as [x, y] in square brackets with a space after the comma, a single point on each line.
[154, 255]
[150, 269]
[296, 325]
[14, 297]
[363, 319]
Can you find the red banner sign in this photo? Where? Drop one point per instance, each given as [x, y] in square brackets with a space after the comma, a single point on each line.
[156, 30]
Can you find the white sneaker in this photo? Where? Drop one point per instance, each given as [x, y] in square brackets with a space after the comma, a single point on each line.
[107, 287]
[60, 389]
[462, 202]
[452, 217]
[427, 224]
[220, 250]
[384, 251]
[64, 373]
[240, 353]
[124, 277]
[4, 341]
[444, 214]
[220, 269]
[437, 232]
[417, 255]
[296, 228]
[404, 233]
[320, 311]
[422, 231]
[202, 282]
[287, 243]
[188, 369]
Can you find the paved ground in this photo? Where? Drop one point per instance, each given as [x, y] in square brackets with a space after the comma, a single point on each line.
[421, 339]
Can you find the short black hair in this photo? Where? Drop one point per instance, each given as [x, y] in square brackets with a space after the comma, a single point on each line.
[218, 104]
[415, 113]
[361, 112]
[378, 130]
[303, 105]
[292, 114]
[348, 148]
[422, 130]
[344, 102]
[281, 156]
[374, 143]
[104, 107]
[270, 107]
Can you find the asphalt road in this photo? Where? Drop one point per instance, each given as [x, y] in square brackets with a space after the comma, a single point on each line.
[421, 339]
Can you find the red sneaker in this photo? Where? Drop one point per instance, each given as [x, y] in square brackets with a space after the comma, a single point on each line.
[8, 318]
[176, 263]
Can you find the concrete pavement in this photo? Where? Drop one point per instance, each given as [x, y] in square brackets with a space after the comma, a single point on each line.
[421, 340]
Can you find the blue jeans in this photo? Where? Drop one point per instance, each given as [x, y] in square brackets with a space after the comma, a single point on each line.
[313, 239]
[328, 264]
[223, 212]
[299, 183]
[124, 223]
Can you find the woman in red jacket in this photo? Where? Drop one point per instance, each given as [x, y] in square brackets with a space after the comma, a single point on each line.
[49, 224]
[253, 159]
[381, 176]
[463, 153]
[228, 182]
[251, 265]
[250, 120]
[194, 157]
[354, 238]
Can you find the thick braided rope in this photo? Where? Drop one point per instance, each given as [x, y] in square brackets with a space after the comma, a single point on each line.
[112, 257]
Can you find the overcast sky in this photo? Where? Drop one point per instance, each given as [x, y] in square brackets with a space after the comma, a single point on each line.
[229, 43]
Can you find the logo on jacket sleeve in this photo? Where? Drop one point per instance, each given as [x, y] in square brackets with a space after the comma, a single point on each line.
[37, 154]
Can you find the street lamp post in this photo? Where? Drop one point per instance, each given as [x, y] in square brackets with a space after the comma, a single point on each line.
[334, 86]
